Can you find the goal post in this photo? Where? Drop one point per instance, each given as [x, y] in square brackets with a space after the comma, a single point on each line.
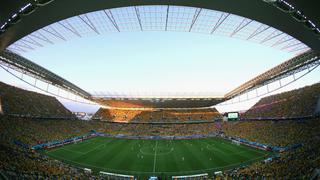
[108, 175]
[235, 142]
[191, 177]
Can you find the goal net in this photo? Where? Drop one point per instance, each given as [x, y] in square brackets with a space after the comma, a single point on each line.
[112, 176]
[235, 142]
[192, 177]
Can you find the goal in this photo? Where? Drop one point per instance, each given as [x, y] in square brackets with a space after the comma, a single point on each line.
[191, 177]
[235, 142]
[112, 176]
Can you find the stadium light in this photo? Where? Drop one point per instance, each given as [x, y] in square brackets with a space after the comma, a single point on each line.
[309, 24]
[284, 6]
[15, 18]
[299, 16]
[4, 26]
[317, 31]
[27, 9]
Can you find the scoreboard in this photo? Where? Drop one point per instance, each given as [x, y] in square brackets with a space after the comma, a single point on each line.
[233, 116]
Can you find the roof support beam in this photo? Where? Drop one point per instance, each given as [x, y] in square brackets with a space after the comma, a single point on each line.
[272, 35]
[109, 14]
[41, 37]
[222, 18]
[282, 40]
[167, 17]
[24, 45]
[245, 22]
[88, 22]
[32, 41]
[291, 45]
[15, 48]
[259, 30]
[69, 27]
[299, 49]
[136, 9]
[195, 17]
[54, 33]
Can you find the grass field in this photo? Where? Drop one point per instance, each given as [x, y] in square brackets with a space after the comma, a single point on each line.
[143, 158]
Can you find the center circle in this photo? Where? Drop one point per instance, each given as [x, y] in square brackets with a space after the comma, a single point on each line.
[160, 150]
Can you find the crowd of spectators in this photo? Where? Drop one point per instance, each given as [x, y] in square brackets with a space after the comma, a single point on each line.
[35, 131]
[18, 134]
[298, 163]
[20, 162]
[296, 103]
[117, 115]
[273, 133]
[179, 115]
[160, 129]
[153, 115]
[16, 101]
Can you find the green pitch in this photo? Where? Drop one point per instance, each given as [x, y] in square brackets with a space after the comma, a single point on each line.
[143, 158]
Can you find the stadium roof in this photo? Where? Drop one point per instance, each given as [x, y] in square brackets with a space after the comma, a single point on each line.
[38, 17]
[27, 25]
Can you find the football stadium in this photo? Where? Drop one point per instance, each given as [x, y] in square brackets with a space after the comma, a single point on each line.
[159, 89]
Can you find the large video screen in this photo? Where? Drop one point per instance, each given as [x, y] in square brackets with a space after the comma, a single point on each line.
[233, 115]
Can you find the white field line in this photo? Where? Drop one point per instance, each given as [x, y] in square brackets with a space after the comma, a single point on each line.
[139, 172]
[96, 148]
[124, 171]
[155, 157]
[72, 151]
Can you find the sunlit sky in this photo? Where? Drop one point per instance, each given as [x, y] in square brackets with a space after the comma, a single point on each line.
[158, 62]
